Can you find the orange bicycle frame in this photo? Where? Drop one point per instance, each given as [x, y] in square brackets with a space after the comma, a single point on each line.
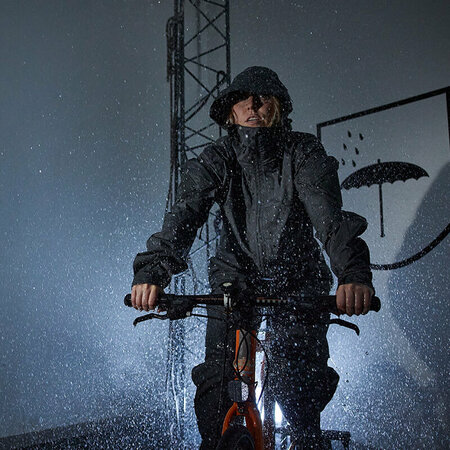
[244, 363]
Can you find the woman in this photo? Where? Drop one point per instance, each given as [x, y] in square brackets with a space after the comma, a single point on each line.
[273, 186]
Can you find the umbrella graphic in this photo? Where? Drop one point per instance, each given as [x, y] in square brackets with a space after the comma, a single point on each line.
[383, 172]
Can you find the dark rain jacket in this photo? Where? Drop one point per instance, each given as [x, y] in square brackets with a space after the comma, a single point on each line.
[273, 187]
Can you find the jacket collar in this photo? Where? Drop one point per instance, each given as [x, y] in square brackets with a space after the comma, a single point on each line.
[258, 144]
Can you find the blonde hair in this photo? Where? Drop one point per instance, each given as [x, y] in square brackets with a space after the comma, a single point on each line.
[276, 113]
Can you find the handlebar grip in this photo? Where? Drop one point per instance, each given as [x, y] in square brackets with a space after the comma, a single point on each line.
[375, 304]
[127, 300]
[162, 300]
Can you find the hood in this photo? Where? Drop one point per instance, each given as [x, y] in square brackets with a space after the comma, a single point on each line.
[256, 80]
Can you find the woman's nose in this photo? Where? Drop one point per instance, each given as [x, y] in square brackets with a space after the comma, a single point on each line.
[255, 102]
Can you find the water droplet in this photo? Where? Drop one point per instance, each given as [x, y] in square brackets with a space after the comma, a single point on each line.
[356, 150]
[349, 133]
[353, 163]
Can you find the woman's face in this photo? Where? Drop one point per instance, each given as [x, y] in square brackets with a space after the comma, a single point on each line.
[254, 111]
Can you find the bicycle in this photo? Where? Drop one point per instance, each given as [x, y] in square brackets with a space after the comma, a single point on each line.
[242, 390]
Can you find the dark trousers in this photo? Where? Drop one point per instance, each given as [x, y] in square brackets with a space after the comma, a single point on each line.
[299, 377]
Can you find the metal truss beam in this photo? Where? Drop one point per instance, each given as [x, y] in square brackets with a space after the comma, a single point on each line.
[198, 67]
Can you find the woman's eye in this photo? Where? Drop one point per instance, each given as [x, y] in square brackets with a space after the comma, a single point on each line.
[264, 98]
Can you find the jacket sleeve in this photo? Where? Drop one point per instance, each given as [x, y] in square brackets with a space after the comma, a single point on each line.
[167, 250]
[317, 183]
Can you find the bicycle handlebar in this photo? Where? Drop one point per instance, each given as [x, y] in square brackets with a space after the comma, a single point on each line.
[181, 306]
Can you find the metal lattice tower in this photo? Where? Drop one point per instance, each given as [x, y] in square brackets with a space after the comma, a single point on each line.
[198, 67]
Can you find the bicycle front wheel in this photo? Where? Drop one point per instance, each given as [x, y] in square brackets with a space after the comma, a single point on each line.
[236, 437]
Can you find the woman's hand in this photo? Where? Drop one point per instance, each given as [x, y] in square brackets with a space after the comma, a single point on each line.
[353, 298]
[145, 296]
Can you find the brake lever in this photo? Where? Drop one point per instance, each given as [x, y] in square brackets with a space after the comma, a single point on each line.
[176, 309]
[344, 323]
[150, 316]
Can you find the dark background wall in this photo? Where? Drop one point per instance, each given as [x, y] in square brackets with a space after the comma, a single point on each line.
[84, 158]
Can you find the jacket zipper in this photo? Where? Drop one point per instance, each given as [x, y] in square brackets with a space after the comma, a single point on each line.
[258, 200]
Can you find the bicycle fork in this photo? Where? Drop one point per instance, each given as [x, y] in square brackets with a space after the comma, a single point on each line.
[242, 390]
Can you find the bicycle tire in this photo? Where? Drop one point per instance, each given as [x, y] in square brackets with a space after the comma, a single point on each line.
[236, 437]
